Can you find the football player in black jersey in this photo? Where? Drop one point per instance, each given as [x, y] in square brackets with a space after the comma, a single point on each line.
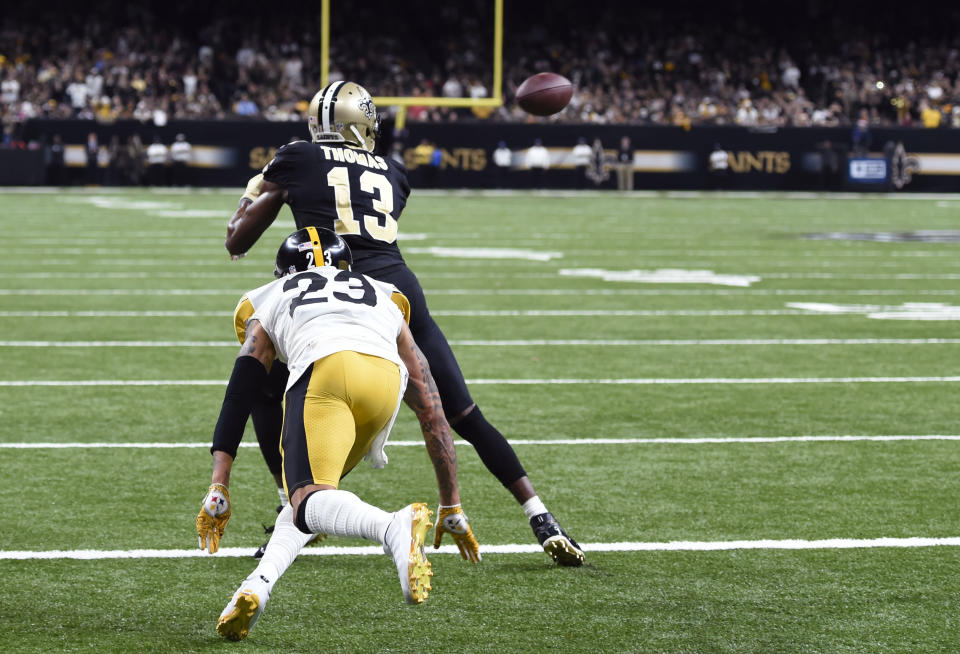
[337, 182]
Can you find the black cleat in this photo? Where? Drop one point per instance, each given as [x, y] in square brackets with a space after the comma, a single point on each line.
[267, 530]
[555, 541]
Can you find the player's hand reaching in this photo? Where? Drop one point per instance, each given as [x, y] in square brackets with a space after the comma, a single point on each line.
[452, 520]
[213, 517]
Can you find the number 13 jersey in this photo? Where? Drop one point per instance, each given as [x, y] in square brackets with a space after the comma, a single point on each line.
[357, 194]
[311, 314]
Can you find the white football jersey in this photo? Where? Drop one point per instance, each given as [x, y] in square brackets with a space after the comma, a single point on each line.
[311, 314]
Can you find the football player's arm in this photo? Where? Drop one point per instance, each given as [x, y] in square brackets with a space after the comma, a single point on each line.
[423, 397]
[251, 193]
[255, 213]
[249, 374]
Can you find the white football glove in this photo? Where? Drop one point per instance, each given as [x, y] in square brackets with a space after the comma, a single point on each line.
[213, 517]
[452, 520]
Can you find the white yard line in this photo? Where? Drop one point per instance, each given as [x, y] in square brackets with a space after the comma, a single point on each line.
[256, 273]
[469, 292]
[116, 314]
[695, 440]
[640, 381]
[451, 313]
[512, 548]
[507, 313]
[535, 342]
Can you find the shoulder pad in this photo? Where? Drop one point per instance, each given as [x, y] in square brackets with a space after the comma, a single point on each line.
[241, 315]
[402, 303]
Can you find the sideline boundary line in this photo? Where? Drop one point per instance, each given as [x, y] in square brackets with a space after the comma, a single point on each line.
[512, 548]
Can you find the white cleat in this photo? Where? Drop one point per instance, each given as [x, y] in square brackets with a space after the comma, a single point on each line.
[404, 542]
[244, 609]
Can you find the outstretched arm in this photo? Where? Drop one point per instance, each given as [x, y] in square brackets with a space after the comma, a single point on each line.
[422, 396]
[257, 210]
[249, 374]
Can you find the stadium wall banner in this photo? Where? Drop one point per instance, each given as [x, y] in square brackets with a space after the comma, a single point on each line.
[460, 154]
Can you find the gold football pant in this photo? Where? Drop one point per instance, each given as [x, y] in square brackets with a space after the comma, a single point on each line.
[332, 415]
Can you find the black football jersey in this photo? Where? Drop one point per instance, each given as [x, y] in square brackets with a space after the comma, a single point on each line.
[357, 194]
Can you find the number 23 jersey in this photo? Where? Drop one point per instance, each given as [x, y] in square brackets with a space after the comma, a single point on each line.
[357, 194]
[311, 314]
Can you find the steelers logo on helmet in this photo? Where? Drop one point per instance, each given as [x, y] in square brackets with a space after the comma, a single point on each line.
[343, 112]
[311, 247]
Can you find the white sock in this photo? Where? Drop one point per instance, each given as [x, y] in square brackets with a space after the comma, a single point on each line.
[342, 513]
[533, 507]
[285, 543]
[283, 497]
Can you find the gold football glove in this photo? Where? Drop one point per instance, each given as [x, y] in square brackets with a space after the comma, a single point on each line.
[213, 516]
[452, 520]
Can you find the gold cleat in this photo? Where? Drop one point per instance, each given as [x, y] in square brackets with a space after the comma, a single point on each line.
[240, 615]
[404, 541]
[419, 569]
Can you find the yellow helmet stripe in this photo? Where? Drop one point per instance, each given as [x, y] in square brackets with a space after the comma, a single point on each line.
[318, 258]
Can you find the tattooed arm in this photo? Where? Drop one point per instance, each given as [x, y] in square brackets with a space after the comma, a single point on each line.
[258, 345]
[422, 396]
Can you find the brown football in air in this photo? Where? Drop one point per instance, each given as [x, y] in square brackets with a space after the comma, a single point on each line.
[544, 94]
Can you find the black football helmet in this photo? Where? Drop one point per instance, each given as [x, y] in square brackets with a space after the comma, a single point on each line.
[311, 247]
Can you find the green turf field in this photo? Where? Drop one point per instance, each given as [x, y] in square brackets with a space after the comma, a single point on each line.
[665, 418]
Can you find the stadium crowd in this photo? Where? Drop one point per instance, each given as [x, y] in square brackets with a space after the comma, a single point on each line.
[124, 61]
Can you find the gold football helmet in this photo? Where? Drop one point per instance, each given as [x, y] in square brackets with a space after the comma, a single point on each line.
[343, 112]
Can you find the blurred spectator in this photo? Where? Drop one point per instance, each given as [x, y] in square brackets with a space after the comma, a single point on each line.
[10, 88]
[686, 64]
[157, 156]
[831, 171]
[502, 160]
[930, 116]
[719, 166]
[117, 163]
[537, 161]
[580, 157]
[136, 156]
[625, 165]
[396, 152]
[55, 162]
[245, 106]
[181, 154]
[747, 115]
[92, 150]
[862, 138]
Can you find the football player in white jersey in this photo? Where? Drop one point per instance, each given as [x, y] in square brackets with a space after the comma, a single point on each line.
[352, 359]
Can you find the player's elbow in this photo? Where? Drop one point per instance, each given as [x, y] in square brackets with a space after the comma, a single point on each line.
[235, 243]
[232, 247]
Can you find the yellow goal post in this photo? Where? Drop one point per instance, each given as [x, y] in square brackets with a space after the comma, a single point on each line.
[402, 102]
